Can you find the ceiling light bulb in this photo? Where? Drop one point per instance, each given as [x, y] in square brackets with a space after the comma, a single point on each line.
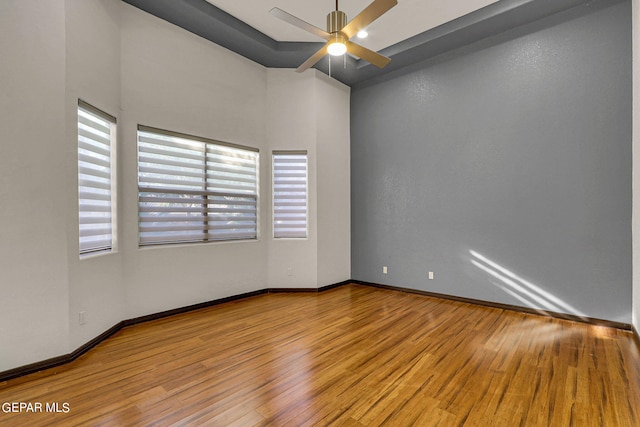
[337, 49]
[362, 34]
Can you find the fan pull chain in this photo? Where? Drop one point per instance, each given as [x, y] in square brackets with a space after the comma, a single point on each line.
[329, 65]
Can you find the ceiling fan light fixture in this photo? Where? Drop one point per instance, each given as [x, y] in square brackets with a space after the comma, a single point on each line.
[337, 49]
[338, 46]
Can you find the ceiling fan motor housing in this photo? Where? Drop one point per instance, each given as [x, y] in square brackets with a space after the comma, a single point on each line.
[336, 21]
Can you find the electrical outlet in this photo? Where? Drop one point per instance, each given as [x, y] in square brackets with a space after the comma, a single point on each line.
[82, 317]
[431, 275]
[384, 270]
[289, 271]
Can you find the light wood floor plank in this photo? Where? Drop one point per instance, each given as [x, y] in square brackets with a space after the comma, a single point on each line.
[351, 356]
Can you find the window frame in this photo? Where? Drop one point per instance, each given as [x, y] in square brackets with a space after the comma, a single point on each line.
[209, 146]
[111, 121]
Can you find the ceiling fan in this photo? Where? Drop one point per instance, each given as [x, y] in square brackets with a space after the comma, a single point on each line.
[339, 32]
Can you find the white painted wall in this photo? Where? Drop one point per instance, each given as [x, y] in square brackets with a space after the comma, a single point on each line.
[96, 283]
[310, 111]
[172, 79]
[143, 70]
[291, 125]
[333, 178]
[33, 179]
[636, 165]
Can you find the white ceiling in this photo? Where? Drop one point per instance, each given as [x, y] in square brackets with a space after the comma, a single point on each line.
[406, 19]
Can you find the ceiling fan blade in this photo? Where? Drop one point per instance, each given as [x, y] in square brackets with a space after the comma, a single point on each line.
[313, 59]
[294, 20]
[370, 13]
[362, 52]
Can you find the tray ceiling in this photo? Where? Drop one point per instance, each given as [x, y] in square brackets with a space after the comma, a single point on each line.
[407, 19]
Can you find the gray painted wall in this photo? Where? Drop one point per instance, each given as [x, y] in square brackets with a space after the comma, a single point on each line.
[505, 168]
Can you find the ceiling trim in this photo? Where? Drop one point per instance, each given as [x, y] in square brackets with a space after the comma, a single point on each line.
[207, 21]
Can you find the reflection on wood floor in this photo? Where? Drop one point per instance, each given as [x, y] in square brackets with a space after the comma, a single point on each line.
[354, 355]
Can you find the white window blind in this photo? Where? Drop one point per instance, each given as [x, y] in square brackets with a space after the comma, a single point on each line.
[96, 136]
[195, 190]
[290, 194]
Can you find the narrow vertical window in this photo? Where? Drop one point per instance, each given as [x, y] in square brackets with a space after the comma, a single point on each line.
[289, 194]
[96, 148]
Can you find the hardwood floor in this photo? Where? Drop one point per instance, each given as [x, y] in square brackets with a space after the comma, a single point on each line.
[353, 356]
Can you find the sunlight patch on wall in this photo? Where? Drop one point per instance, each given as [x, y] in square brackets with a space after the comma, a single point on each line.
[530, 294]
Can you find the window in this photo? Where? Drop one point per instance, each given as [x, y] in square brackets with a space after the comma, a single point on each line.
[96, 202]
[193, 189]
[290, 194]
